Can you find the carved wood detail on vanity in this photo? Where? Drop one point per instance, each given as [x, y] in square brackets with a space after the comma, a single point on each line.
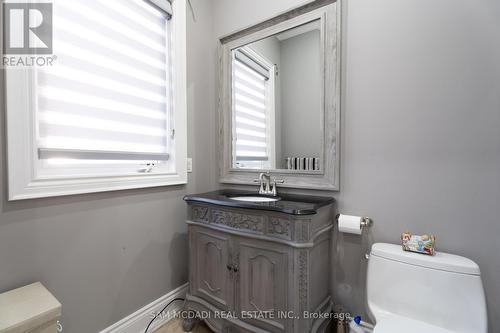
[280, 226]
[303, 280]
[234, 220]
[200, 214]
[302, 230]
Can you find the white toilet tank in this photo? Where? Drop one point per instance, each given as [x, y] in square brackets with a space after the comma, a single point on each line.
[444, 290]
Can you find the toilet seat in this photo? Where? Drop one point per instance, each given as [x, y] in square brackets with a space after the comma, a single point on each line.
[398, 324]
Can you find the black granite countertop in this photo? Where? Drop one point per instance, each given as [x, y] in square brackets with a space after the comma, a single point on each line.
[288, 203]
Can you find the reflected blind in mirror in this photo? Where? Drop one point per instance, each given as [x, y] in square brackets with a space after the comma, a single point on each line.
[106, 101]
[251, 111]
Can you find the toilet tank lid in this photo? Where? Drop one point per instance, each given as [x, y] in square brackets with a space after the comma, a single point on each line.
[442, 261]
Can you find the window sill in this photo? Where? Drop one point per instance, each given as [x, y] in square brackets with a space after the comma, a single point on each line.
[53, 188]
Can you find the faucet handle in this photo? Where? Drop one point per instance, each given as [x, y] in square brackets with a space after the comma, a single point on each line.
[274, 183]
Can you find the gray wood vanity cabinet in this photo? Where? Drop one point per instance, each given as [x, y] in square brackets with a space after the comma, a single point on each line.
[255, 270]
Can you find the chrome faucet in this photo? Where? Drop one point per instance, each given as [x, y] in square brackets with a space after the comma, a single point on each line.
[268, 184]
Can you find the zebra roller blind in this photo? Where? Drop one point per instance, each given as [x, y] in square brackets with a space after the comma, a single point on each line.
[251, 111]
[107, 98]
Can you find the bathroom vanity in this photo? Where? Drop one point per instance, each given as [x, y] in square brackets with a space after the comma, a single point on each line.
[260, 266]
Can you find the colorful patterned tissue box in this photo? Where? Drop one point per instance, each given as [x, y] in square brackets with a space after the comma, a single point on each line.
[421, 244]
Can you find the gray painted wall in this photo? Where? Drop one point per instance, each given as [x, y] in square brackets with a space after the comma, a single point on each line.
[106, 255]
[420, 116]
[300, 77]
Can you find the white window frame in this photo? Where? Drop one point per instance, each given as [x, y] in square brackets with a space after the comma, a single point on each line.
[22, 150]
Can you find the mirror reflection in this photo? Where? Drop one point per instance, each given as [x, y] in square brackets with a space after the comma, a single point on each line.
[276, 101]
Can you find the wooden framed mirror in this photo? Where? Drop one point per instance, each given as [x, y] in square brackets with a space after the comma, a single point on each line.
[279, 103]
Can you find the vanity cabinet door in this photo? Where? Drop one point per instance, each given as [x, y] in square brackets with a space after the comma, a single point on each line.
[210, 277]
[262, 283]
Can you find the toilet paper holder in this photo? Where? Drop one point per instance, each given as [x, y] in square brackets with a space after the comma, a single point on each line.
[365, 221]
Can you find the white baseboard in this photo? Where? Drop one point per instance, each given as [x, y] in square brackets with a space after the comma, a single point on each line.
[139, 320]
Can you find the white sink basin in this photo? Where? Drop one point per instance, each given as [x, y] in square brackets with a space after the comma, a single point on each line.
[255, 199]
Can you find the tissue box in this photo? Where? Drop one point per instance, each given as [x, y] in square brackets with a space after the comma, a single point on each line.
[421, 244]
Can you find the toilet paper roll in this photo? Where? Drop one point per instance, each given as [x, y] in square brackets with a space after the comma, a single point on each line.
[350, 224]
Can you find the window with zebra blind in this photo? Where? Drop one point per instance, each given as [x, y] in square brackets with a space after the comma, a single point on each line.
[110, 111]
[253, 102]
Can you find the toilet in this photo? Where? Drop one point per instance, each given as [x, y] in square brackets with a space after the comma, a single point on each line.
[410, 292]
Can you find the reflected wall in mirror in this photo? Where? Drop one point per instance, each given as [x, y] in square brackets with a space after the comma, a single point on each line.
[276, 94]
[279, 102]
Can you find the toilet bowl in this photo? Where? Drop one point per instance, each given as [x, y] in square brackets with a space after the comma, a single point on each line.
[410, 292]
